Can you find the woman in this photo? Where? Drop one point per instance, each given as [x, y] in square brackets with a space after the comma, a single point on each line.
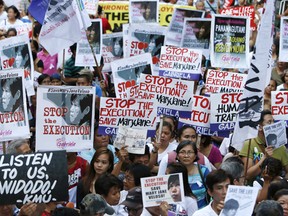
[161, 147]
[284, 78]
[102, 162]
[13, 19]
[282, 198]
[44, 79]
[187, 155]
[267, 93]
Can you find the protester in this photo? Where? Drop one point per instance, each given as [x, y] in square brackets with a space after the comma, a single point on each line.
[13, 19]
[235, 170]
[267, 94]
[141, 158]
[55, 79]
[20, 146]
[44, 79]
[12, 32]
[3, 13]
[133, 202]
[269, 207]
[50, 62]
[282, 198]
[284, 78]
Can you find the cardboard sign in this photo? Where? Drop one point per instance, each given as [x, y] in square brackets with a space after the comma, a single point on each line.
[223, 81]
[65, 118]
[39, 178]
[275, 134]
[143, 11]
[91, 6]
[283, 48]
[167, 188]
[279, 105]
[230, 42]
[181, 63]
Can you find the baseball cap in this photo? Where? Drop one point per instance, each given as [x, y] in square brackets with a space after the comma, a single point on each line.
[93, 204]
[133, 198]
[55, 76]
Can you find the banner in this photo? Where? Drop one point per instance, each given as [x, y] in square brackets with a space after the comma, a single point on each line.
[283, 48]
[223, 81]
[91, 37]
[38, 178]
[279, 105]
[180, 63]
[241, 11]
[112, 49]
[126, 72]
[135, 139]
[275, 134]
[24, 28]
[143, 11]
[16, 53]
[174, 34]
[167, 188]
[91, 6]
[196, 35]
[65, 118]
[230, 42]
[252, 99]
[14, 121]
[146, 38]
[224, 111]
[240, 200]
[129, 113]
[38, 8]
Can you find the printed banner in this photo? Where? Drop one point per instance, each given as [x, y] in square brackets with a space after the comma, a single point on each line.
[283, 48]
[241, 11]
[135, 139]
[196, 35]
[230, 42]
[180, 63]
[167, 188]
[223, 81]
[146, 39]
[126, 72]
[224, 111]
[174, 34]
[275, 134]
[239, 200]
[25, 28]
[91, 6]
[92, 37]
[14, 121]
[112, 49]
[279, 105]
[38, 178]
[16, 53]
[143, 11]
[65, 118]
[129, 113]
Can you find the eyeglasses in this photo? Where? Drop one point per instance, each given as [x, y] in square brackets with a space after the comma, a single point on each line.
[189, 153]
[129, 179]
[131, 211]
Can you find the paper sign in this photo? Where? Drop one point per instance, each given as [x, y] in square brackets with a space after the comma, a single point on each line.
[275, 134]
[283, 48]
[279, 105]
[143, 11]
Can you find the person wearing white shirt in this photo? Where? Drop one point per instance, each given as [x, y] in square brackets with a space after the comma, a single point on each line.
[13, 19]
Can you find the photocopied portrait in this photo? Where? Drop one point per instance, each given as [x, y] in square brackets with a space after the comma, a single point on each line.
[174, 188]
[231, 207]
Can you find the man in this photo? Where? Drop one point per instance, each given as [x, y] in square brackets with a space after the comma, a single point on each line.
[133, 202]
[269, 207]
[217, 183]
[20, 146]
[235, 170]
[94, 205]
[259, 150]
[141, 158]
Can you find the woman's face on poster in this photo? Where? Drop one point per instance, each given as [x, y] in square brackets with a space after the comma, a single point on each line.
[147, 12]
[75, 111]
[175, 192]
[6, 98]
[18, 59]
[117, 47]
[152, 45]
[202, 31]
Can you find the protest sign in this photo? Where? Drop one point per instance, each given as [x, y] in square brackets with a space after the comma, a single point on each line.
[65, 118]
[196, 34]
[147, 39]
[167, 188]
[16, 53]
[126, 72]
[112, 49]
[63, 57]
[180, 63]
[13, 110]
[92, 37]
[241, 11]
[224, 111]
[91, 6]
[230, 42]
[25, 28]
[174, 34]
[129, 113]
[38, 178]
[125, 40]
[252, 99]
[135, 139]
[283, 49]
[279, 105]
[223, 81]
[240, 200]
[275, 134]
[143, 11]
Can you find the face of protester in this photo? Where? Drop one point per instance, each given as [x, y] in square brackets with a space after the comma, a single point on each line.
[166, 136]
[75, 112]
[113, 196]
[128, 181]
[56, 82]
[271, 87]
[11, 14]
[24, 149]
[83, 82]
[283, 200]
[143, 159]
[188, 134]
[186, 155]
[101, 164]
[6, 210]
[100, 140]
[46, 81]
[268, 119]
[200, 6]
[219, 191]
[11, 34]
[286, 78]
[174, 190]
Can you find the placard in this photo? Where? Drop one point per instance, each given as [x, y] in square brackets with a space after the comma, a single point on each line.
[279, 105]
[65, 118]
[91, 6]
[275, 134]
[167, 188]
[143, 11]
[283, 47]
[38, 178]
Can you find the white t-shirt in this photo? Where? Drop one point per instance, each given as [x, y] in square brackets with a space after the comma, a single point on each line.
[119, 209]
[3, 16]
[171, 147]
[5, 24]
[206, 211]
